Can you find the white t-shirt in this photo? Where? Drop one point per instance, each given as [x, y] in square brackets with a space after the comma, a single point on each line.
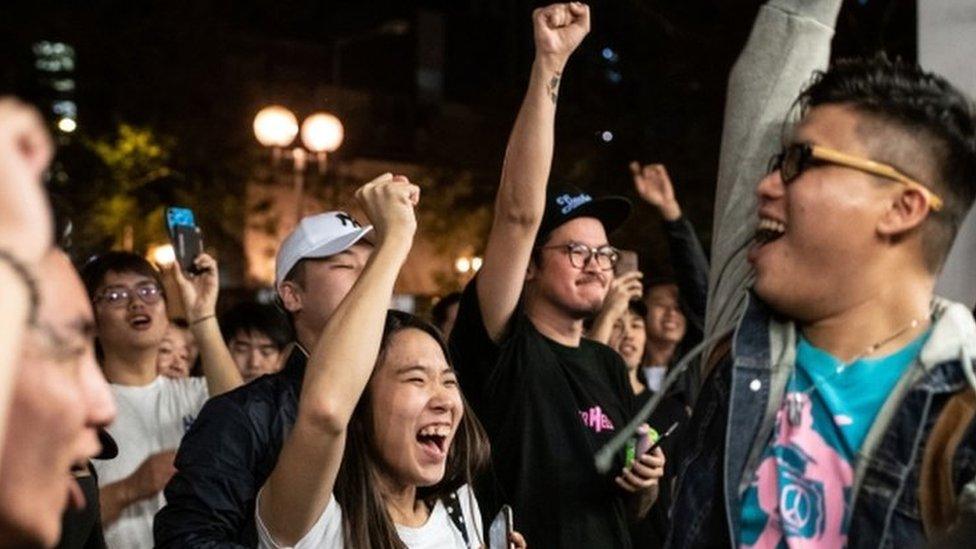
[151, 418]
[438, 533]
[654, 375]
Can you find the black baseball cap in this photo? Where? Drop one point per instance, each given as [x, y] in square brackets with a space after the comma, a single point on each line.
[565, 203]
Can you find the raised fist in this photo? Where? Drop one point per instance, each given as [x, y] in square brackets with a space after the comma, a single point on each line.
[389, 202]
[559, 29]
[25, 152]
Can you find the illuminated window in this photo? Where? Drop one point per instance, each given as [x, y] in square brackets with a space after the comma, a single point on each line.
[66, 109]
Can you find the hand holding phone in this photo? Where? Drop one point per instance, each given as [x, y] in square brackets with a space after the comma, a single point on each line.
[185, 236]
[501, 529]
[661, 438]
[647, 443]
[626, 262]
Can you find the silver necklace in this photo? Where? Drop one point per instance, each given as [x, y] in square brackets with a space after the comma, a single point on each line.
[794, 399]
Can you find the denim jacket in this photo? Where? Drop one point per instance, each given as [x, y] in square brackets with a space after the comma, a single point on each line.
[735, 418]
[736, 408]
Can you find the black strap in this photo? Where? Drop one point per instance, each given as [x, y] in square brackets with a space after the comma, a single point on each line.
[453, 506]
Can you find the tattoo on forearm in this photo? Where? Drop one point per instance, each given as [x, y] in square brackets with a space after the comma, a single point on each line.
[552, 87]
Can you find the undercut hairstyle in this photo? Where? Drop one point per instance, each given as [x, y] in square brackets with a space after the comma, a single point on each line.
[365, 520]
[93, 273]
[917, 122]
[252, 317]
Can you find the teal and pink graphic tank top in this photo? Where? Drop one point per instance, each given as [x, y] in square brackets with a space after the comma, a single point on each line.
[800, 492]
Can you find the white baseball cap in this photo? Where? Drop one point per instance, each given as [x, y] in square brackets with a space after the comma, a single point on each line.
[319, 235]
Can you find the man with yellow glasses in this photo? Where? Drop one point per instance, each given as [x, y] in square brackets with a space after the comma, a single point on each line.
[838, 401]
[795, 158]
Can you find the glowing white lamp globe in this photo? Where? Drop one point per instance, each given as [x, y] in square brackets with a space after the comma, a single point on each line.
[322, 132]
[275, 126]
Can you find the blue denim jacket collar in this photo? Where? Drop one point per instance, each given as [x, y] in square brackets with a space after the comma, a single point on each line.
[764, 351]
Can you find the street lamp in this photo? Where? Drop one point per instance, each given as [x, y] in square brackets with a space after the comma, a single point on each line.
[467, 266]
[275, 126]
[322, 133]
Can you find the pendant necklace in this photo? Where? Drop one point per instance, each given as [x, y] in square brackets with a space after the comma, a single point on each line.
[794, 399]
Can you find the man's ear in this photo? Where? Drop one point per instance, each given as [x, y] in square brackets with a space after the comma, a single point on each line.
[291, 296]
[907, 211]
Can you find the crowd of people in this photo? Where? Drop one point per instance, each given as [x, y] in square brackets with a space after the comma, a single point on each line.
[829, 401]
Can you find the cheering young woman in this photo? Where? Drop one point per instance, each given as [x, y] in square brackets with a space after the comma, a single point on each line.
[384, 445]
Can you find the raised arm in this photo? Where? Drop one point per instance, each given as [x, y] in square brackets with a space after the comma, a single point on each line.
[299, 488]
[790, 40]
[199, 294]
[25, 228]
[558, 30]
[688, 260]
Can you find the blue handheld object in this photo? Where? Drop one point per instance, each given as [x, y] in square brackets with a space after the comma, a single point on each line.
[176, 217]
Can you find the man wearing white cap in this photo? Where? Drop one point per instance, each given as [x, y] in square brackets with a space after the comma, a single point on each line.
[316, 266]
[234, 443]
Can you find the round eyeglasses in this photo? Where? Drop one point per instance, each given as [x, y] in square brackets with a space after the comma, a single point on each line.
[119, 296]
[581, 254]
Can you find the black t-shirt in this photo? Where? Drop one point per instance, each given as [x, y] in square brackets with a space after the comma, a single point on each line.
[547, 409]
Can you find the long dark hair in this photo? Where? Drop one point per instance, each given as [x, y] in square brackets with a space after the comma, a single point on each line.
[365, 520]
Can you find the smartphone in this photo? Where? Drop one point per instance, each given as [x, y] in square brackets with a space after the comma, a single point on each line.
[185, 236]
[626, 263]
[642, 445]
[177, 216]
[500, 529]
[661, 438]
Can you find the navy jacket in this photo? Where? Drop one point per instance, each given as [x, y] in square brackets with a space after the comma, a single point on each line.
[224, 460]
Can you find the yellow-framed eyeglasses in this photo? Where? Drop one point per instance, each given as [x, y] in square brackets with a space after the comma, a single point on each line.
[795, 158]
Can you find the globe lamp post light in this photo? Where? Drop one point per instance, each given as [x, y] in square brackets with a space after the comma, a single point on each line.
[276, 127]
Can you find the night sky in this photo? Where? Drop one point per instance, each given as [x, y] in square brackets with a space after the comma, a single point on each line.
[651, 73]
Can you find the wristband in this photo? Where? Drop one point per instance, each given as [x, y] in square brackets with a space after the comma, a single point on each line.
[24, 273]
[202, 319]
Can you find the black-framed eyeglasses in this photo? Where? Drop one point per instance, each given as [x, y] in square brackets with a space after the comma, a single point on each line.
[581, 254]
[119, 296]
[797, 157]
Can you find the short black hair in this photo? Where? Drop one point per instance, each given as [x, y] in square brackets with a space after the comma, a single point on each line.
[438, 314]
[297, 273]
[660, 280]
[250, 316]
[638, 307]
[94, 271]
[935, 118]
